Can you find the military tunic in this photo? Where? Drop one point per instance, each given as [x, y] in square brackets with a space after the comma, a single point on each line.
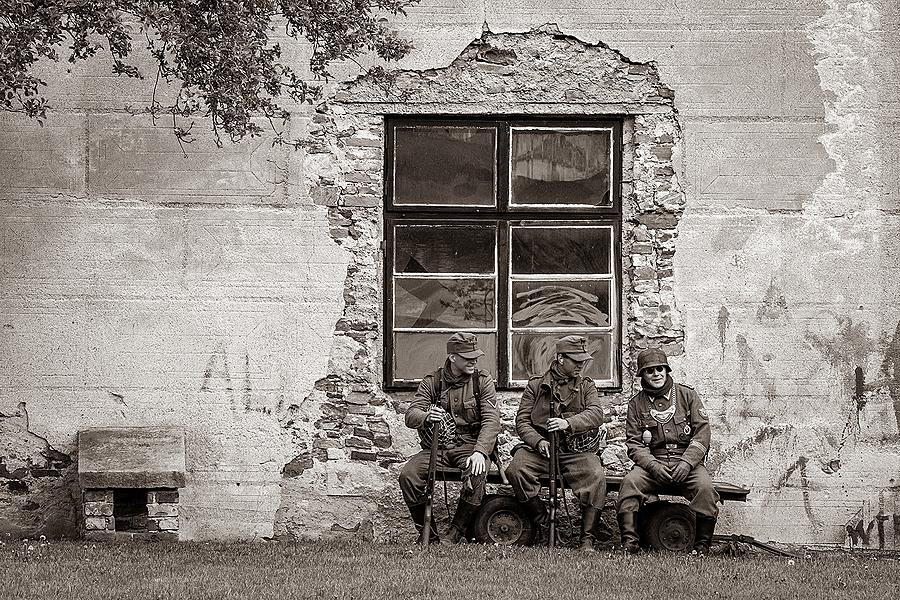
[477, 425]
[682, 436]
[575, 400]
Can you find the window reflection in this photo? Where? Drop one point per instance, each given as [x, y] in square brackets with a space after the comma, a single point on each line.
[562, 250]
[533, 353]
[438, 303]
[444, 166]
[558, 304]
[417, 354]
[444, 249]
[552, 166]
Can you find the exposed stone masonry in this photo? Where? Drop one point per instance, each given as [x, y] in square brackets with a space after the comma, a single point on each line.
[540, 72]
[159, 521]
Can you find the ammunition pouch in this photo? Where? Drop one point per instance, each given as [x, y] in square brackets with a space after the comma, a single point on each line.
[586, 441]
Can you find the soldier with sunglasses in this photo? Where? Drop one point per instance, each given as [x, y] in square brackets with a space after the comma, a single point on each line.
[667, 434]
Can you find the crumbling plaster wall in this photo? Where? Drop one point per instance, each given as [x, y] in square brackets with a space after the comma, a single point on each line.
[140, 287]
[786, 269]
[361, 439]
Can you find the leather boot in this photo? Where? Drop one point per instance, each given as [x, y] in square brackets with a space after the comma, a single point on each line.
[464, 513]
[537, 510]
[628, 531]
[704, 532]
[417, 512]
[589, 518]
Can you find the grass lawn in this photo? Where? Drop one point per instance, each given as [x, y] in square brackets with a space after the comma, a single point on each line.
[331, 570]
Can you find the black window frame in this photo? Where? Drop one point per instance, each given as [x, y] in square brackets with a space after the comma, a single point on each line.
[504, 217]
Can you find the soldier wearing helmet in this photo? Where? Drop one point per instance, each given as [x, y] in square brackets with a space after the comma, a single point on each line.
[463, 398]
[561, 400]
[667, 434]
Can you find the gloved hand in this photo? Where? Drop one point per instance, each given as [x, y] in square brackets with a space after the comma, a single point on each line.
[680, 471]
[660, 472]
[435, 414]
[544, 448]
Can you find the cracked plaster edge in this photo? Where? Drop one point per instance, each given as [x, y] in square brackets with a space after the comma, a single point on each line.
[667, 123]
[843, 44]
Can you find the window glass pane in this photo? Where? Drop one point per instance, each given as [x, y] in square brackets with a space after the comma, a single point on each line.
[417, 354]
[532, 354]
[444, 166]
[560, 167]
[563, 250]
[444, 249]
[463, 303]
[560, 304]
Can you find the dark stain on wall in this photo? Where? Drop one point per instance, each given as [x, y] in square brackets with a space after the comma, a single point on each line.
[723, 322]
[774, 309]
[746, 445]
[751, 372]
[890, 369]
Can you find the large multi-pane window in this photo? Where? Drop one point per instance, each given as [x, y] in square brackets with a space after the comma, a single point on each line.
[506, 228]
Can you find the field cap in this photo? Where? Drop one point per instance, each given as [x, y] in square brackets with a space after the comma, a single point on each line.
[652, 357]
[574, 346]
[465, 344]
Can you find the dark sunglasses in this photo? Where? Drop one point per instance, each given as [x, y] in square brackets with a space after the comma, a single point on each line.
[654, 369]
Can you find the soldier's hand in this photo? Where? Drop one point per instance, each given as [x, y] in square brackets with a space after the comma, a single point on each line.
[680, 471]
[544, 448]
[476, 464]
[557, 424]
[435, 413]
[659, 472]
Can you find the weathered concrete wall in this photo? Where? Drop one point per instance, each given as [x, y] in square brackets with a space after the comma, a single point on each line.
[159, 290]
[237, 291]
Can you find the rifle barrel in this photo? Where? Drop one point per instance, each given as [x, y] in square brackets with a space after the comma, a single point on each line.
[554, 500]
[429, 483]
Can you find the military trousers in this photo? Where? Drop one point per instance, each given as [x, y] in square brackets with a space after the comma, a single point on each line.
[582, 471]
[414, 474]
[698, 488]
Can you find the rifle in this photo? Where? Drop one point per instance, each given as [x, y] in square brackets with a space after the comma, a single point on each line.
[429, 482]
[554, 495]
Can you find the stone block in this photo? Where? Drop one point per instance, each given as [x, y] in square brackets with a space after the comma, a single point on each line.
[363, 433]
[98, 495]
[360, 455]
[131, 457]
[168, 524]
[357, 442]
[162, 510]
[99, 523]
[362, 200]
[162, 496]
[383, 441]
[98, 509]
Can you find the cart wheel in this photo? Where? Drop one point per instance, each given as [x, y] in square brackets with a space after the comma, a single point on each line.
[502, 520]
[667, 526]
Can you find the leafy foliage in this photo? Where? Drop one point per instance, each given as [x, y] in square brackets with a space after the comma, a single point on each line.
[219, 53]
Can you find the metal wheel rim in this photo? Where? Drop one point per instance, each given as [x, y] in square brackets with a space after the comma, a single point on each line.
[505, 527]
[675, 533]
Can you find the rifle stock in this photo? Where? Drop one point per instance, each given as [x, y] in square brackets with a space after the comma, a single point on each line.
[429, 484]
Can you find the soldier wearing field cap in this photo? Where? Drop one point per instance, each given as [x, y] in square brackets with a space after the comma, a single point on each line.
[563, 401]
[464, 399]
[667, 434]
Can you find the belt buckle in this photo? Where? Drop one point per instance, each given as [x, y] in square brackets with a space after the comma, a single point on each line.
[671, 446]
